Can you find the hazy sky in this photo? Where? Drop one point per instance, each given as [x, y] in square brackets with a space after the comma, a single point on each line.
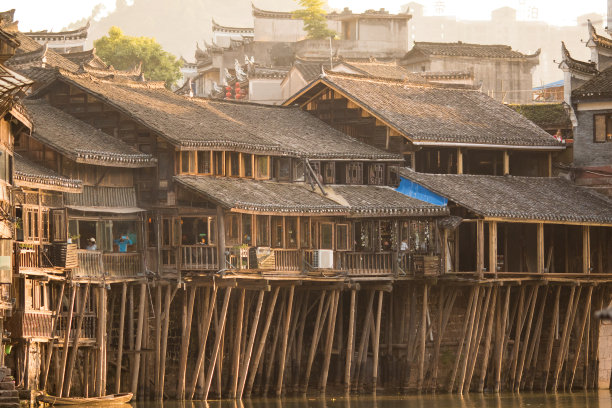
[55, 14]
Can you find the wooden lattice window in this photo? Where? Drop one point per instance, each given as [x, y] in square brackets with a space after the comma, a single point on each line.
[602, 128]
[354, 173]
[329, 176]
[376, 174]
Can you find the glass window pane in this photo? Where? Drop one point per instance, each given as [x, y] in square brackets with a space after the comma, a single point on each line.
[184, 162]
[327, 233]
[204, 163]
[247, 229]
[263, 231]
[262, 167]
[342, 237]
[291, 231]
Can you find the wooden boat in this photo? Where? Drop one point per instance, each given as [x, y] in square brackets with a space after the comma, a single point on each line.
[107, 399]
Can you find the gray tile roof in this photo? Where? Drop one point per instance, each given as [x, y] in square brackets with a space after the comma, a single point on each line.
[79, 141]
[466, 50]
[526, 198]
[30, 174]
[202, 123]
[436, 114]
[275, 197]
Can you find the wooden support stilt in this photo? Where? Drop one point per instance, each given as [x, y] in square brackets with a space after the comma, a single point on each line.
[500, 334]
[51, 344]
[478, 338]
[566, 346]
[565, 335]
[210, 301]
[164, 342]
[517, 336]
[529, 325]
[217, 345]
[473, 341]
[262, 341]
[551, 339]
[466, 329]
[158, 335]
[75, 342]
[422, 339]
[273, 351]
[237, 344]
[350, 344]
[314, 342]
[300, 340]
[120, 340]
[488, 337]
[67, 339]
[189, 300]
[444, 312]
[138, 342]
[363, 344]
[329, 342]
[582, 325]
[532, 358]
[283, 355]
[244, 369]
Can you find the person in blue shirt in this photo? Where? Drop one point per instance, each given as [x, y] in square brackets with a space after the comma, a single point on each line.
[123, 242]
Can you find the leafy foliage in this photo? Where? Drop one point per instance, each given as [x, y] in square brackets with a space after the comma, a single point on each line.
[315, 22]
[125, 52]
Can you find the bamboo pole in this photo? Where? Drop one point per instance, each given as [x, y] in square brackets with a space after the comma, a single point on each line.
[189, 301]
[51, 344]
[350, 344]
[237, 343]
[215, 352]
[210, 301]
[67, 339]
[551, 340]
[138, 342]
[120, 345]
[75, 342]
[331, 325]
[262, 341]
[249, 350]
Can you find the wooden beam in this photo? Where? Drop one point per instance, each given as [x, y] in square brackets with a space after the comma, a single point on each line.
[459, 161]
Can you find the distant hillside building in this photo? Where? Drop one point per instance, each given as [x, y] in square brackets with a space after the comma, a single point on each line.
[62, 41]
[506, 74]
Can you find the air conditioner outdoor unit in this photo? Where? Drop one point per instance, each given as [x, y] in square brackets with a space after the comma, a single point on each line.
[323, 259]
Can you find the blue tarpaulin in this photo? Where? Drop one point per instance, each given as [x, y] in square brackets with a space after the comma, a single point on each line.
[414, 190]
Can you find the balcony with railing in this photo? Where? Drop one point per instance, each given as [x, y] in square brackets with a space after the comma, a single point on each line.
[97, 264]
[28, 255]
[88, 328]
[31, 324]
[199, 257]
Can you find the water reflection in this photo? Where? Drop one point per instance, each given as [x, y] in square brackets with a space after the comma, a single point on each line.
[592, 399]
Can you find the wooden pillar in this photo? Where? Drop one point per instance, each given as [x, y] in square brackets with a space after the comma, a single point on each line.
[493, 247]
[377, 341]
[540, 253]
[331, 326]
[210, 301]
[480, 248]
[586, 249]
[459, 161]
[120, 345]
[51, 344]
[75, 342]
[237, 343]
[221, 237]
[283, 356]
[138, 343]
[549, 164]
[506, 163]
[422, 339]
[67, 338]
[188, 301]
[350, 345]
[249, 350]
[164, 343]
[217, 345]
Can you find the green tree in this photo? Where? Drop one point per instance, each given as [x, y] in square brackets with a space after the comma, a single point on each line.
[315, 22]
[125, 52]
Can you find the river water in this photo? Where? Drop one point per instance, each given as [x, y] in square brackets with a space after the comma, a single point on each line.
[594, 399]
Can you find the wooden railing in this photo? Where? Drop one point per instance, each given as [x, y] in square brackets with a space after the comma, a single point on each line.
[28, 255]
[122, 264]
[90, 264]
[95, 264]
[88, 329]
[31, 324]
[287, 260]
[198, 257]
[365, 263]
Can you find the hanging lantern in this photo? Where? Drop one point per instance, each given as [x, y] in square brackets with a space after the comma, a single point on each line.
[228, 95]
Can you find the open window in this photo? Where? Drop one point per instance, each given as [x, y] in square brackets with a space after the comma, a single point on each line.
[247, 229]
[232, 229]
[218, 163]
[305, 232]
[30, 224]
[232, 164]
[342, 237]
[291, 232]
[204, 162]
[188, 162]
[326, 235]
[376, 174]
[283, 169]
[277, 232]
[263, 230]
[247, 165]
[198, 231]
